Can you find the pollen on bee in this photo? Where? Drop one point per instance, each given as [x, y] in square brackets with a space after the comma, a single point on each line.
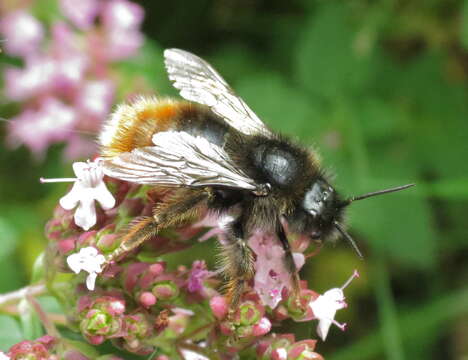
[133, 125]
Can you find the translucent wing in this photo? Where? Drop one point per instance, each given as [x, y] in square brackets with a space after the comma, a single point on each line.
[179, 159]
[199, 82]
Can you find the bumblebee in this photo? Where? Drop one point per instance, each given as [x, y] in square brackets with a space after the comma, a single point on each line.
[218, 155]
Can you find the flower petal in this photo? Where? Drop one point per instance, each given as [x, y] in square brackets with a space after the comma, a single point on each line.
[79, 169]
[104, 196]
[85, 214]
[323, 327]
[91, 281]
[70, 200]
[74, 263]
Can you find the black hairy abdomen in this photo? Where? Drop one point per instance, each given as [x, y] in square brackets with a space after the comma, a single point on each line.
[200, 121]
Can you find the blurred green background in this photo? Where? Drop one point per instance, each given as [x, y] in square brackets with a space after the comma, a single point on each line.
[379, 88]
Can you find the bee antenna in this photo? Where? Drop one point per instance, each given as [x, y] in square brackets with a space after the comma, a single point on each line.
[376, 193]
[349, 238]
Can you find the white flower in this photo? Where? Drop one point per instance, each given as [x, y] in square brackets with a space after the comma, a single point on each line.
[89, 186]
[326, 306]
[89, 260]
[3, 356]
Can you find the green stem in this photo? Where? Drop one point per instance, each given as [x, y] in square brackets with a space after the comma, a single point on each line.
[387, 311]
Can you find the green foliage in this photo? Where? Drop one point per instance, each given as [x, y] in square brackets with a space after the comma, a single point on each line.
[10, 332]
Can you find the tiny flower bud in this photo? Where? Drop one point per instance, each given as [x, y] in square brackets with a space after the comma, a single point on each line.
[303, 350]
[262, 327]
[219, 307]
[249, 313]
[165, 290]
[147, 299]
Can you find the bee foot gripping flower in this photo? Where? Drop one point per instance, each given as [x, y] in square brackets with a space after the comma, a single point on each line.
[89, 260]
[326, 306]
[89, 186]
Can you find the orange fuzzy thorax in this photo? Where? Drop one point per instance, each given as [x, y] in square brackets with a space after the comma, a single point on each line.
[133, 125]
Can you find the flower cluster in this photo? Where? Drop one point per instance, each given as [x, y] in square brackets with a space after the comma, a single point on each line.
[66, 85]
[158, 298]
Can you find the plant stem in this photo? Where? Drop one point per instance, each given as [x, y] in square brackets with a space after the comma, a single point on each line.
[17, 295]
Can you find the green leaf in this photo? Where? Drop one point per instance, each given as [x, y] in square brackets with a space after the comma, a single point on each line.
[398, 226]
[86, 349]
[38, 269]
[327, 64]
[280, 105]
[30, 323]
[10, 332]
[8, 238]
[464, 25]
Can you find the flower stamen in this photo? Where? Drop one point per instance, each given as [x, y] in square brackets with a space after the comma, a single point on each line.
[351, 278]
[56, 180]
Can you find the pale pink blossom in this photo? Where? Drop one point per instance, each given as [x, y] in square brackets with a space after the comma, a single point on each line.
[88, 260]
[325, 307]
[70, 61]
[79, 147]
[197, 275]
[121, 44]
[121, 20]
[271, 275]
[94, 102]
[52, 122]
[81, 13]
[22, 31]
[122, 14]
[88, 187]
[34, 79]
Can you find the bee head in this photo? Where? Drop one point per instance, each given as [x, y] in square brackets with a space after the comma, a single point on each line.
[320, 213]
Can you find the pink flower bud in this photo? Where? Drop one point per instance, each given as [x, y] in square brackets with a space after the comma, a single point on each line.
[262, 327]
[66, 246]
[147, 299]
[303, 350]
[219, 307]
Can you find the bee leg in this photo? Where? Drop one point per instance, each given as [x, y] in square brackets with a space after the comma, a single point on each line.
[139, 231]
[181, 208]
[237, 265]
[289, 260]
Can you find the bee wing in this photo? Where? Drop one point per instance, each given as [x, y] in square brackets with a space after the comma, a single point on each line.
[199, 82]
[178, 159]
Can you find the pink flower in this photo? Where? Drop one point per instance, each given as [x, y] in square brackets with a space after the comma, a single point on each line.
[37, 129]
[81, 13]
[80, 147]
[121, 44]
[121, 20]
[197, 275]
[33, 79]
[94, 102]
[23, 33]
[271, 275]
[122, 14]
